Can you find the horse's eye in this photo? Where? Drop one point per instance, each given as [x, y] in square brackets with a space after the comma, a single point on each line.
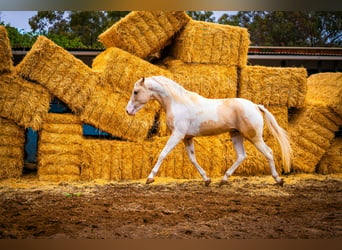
[135, 92]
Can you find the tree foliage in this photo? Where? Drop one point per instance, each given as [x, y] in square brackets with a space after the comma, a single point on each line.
[290, 28]
[80, 29]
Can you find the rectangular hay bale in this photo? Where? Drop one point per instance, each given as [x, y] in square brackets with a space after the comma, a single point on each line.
[212, 43]
[120, 69]
[25, 103]
[143, 33]
[273, 86]
[325, 89]
[61, 73]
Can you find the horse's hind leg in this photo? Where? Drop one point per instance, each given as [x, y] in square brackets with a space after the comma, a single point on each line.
[189, 145]
[267, 151]
[237, 139]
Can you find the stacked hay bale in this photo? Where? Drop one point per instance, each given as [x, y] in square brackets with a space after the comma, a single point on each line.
[144, 33]
[210, 43]
[313, 129]
[12, 140]
[23, 102]
[59, 148]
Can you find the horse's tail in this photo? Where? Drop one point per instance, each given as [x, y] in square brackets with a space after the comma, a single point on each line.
[281, 136]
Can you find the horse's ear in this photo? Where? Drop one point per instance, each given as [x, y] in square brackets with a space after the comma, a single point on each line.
[141, 83]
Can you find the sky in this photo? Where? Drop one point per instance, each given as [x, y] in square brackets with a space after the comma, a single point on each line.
[19, 19]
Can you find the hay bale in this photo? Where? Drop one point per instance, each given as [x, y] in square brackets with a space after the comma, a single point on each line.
[143, 33]
[208, 80]
[325, 89]
[59, 148]
[311, 131]
[106, 110]
[6, 62]
[203, 42]
[25, 103]
[273, 86]
[61, 73]
[331, 162]
[121, 70]
[12, 140]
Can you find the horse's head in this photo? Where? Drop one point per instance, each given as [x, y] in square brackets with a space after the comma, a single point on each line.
[140, 96]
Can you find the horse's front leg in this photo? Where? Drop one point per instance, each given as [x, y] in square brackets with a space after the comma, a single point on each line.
[174, 139]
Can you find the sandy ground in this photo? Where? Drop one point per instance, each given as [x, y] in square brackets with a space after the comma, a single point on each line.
[308, 206]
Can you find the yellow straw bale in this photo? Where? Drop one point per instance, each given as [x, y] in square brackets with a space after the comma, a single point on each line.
[10, 167]
[6, 63]
[211, 81]
[331, 162]
[203, 42]
[12, 140]
[59, 148]
[25, 103]
[61, 73]
[107, 111]
[121, 70]
[143, 33]
[273, 86]
[311, 132]
[325, 89]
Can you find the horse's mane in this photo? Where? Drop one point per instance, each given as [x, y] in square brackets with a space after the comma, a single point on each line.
[169, 85]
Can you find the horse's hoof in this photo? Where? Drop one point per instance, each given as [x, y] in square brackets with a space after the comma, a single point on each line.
[281, 182]
[149, 180]
[207, 182]
[223, 182]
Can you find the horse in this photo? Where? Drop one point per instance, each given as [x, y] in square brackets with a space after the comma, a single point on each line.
[189, 114]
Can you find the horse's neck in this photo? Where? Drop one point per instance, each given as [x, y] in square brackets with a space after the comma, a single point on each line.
[169, 93]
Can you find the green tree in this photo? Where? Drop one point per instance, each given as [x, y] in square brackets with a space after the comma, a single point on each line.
[207, 16]
[290, 28]
[81, 28]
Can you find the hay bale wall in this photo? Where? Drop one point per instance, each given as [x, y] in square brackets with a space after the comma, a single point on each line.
[25, 103]
[59, 148]
[273, 86]
[143, 33]
[203, 42]
[12, 140]
[61, 73]
[6, 62]
[331, 162]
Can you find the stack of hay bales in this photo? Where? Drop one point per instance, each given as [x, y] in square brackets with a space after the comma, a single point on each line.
[331, 161]
[313, 129]
[80, 88]
[59, 148]
[12, 139]
[143, 33]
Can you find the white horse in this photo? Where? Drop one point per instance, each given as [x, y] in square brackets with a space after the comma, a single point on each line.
[189, 115]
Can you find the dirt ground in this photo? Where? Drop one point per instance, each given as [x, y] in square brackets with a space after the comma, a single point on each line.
[308, 206]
